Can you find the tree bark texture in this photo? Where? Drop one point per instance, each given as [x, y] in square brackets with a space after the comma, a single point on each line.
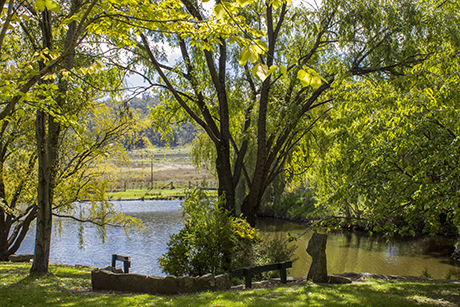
[44, 200]
[48, 131]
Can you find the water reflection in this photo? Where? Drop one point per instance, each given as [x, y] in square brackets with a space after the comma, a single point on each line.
[356, 252]
[346, 251]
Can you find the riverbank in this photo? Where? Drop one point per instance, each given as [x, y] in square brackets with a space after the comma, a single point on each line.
[71, 286]
[154, 194]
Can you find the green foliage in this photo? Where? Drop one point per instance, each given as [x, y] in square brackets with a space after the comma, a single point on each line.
[276, 248]
[389, 150]
[210, 242]
[294, 205]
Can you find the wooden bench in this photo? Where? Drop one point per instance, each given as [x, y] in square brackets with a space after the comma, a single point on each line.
[126, 262]
[249, 271]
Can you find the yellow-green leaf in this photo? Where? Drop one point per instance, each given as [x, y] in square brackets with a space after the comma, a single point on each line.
[40, 4]
[261, 71]
[260, 46]
[219, 11]
[316, 82]
[244, 57]
[272, 69]
[244, 2]
[52, 6]
[310, 78]
[304, 77]
[247, 54]
[283, 69]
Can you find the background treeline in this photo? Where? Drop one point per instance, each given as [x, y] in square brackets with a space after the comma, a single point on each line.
[145, 135]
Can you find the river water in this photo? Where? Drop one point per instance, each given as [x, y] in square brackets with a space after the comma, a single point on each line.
[346, 251]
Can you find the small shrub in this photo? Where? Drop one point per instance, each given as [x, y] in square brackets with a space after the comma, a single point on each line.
[211, 241]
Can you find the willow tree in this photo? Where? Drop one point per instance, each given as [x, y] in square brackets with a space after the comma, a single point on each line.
[257, 76]
[391, 162]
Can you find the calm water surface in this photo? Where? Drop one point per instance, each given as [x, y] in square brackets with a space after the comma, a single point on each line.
[346, 251]
[161, 218]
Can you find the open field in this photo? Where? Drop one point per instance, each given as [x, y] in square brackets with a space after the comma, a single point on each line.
[71, 286]
[157, 174]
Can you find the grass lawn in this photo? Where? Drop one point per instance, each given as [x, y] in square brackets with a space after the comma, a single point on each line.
[71, 286]
[152, 194]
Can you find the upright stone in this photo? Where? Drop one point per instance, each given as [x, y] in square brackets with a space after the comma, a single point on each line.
[317, 250]
[456, 253]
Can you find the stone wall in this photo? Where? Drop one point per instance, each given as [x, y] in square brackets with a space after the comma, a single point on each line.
[112, 279]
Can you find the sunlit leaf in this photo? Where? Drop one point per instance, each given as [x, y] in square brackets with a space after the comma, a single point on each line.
[304, 77]
[261, 71]
[283, 69]
[244, 2]
[316, 82]
[260, 46]
[52, 6]
[219, 11]
[272, 69]
[40, 4]
[246, 55]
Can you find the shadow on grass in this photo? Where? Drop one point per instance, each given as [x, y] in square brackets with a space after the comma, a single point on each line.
[366, 294]
[70, 286]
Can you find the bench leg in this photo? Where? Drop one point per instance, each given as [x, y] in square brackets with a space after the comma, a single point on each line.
[248, 279]
[283, 275]
[126, 265]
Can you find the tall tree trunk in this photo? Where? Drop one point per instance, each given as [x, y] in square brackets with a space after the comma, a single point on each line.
[48, 150]
[4, 225]
[44, 200]
[44, 204]
[224, 174]
[251, 203]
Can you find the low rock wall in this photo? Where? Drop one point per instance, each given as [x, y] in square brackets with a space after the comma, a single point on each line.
[111, 279]
[21, 258]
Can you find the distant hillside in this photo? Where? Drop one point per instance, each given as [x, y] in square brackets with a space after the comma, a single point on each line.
[182, 135]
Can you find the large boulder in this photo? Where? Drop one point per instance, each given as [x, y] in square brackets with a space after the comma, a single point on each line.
[317, 250]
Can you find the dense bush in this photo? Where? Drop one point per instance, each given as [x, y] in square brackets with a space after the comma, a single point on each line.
[294, 205]
[211, 241]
